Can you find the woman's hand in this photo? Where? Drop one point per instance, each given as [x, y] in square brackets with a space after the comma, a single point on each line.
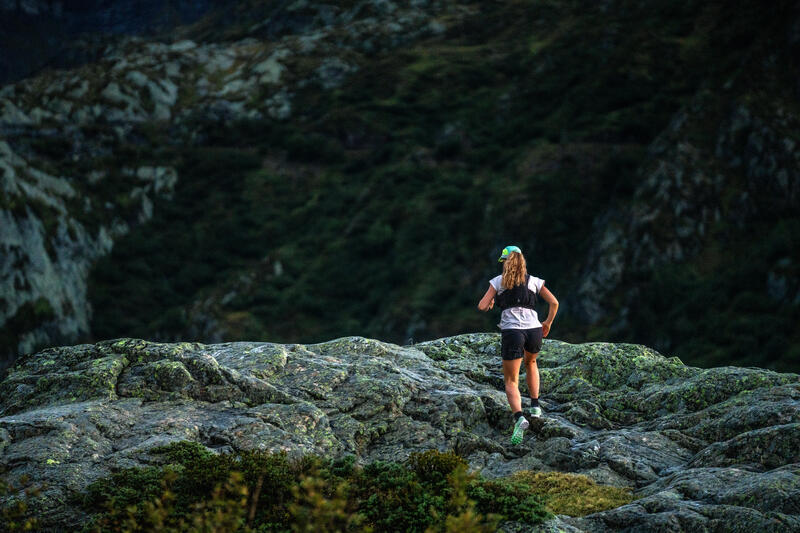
[552, 309]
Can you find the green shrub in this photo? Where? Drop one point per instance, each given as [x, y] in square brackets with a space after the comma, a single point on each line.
[126, 488]
[433, 465]
[197, 490]
[393, 498]
[513, 500]
[319, 506]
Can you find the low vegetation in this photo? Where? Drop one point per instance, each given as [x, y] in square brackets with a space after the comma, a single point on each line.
[193, 489]
[573, 494]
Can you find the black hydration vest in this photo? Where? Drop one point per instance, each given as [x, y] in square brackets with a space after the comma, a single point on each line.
[519, 296]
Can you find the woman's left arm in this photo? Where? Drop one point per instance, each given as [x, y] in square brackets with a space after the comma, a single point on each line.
[552, 309]
[487, 302]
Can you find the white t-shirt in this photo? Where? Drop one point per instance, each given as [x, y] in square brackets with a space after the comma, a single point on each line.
[518, 317]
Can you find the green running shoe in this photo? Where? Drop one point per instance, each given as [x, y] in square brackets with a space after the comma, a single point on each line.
[535, 412]
[519, 429]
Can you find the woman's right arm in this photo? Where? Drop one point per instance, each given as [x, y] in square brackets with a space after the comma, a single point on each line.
[487, 302]
[551, 311]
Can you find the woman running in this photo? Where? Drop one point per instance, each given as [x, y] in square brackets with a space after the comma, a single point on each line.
[520, 330]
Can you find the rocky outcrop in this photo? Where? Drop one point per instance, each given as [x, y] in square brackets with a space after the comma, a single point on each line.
[50, 235]
[705, 449]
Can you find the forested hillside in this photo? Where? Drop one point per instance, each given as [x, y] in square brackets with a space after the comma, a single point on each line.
[356, 168]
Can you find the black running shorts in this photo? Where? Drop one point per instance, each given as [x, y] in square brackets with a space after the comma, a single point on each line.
[513, 341]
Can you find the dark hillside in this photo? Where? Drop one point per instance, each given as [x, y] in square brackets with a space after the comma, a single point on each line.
[644, 155]
[526, 122]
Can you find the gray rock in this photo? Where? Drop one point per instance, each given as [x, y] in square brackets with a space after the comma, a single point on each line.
[705, 449]
[183, 46]
[11, 114]
[270, 69]
[332, 72]
[163, 93]
[137, 78]
[114, 93]
[80, 91]
[279, 105]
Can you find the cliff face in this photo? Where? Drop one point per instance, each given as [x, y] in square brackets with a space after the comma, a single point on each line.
[705, 449]
[52, 230]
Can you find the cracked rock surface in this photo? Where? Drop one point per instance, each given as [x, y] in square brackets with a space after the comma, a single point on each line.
[705, 449]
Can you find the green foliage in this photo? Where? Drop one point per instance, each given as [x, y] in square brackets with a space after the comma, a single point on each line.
[314, 148]
[433, 465]
[322, 505]
[712, 318]
[511, 499]
[394, 497]
[197, 490]
[127, 487]
[183, 451]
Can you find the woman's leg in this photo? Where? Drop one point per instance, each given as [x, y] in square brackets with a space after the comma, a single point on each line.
[532, 374]
[511, 377]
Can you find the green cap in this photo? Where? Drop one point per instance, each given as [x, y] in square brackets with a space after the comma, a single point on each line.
[507, 251]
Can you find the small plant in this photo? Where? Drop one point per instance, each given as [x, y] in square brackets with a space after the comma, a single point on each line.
[434, 465]
[320, 506]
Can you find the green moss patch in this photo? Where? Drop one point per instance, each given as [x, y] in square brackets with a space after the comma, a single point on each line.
[573, 494]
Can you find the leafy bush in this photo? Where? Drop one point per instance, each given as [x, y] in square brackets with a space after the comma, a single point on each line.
[129, 486]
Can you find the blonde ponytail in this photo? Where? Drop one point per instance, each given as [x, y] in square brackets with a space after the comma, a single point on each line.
[514, 270]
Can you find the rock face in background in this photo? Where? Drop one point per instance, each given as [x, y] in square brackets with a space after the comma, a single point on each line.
[50, 235]
[49, 241]
[705, 449]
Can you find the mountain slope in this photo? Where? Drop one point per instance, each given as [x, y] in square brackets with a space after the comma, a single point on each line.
[354, 169]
